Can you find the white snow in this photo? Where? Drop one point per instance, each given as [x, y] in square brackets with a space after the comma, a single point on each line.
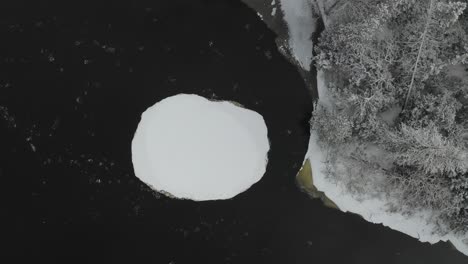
[322, 90]
[391, 114]
[459, 71]
[301, 24]
[273, 11]
[373, 209]
[194, 148]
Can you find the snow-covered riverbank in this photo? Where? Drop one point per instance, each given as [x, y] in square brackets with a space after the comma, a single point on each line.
[301, 24]
[375, 209]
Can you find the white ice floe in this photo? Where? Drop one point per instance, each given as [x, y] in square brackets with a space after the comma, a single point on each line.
[301, 24]
[373, 209]
[194, 148]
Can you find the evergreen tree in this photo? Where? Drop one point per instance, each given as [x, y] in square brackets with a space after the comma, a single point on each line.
[429, 39]
[427, 150]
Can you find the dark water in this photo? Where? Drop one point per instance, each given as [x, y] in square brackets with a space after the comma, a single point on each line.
[74, 79]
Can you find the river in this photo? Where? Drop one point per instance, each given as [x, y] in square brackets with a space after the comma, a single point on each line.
[74, 80]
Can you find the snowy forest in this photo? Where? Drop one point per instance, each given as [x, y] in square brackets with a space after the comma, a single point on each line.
[396, 115]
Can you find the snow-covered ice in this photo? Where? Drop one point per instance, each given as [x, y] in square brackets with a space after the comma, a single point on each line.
[301, 24]
[194, 148]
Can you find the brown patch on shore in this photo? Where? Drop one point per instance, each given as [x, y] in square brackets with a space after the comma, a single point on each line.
[305, 181]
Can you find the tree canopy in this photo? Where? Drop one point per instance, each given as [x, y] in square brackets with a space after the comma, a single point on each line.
[395, 61]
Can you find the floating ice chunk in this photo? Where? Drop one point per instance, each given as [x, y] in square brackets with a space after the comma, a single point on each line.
[33, 148]
[194, 148]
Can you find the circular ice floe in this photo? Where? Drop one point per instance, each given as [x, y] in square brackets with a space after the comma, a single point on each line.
[193, 148]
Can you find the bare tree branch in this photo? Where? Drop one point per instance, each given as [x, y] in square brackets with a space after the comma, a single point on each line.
[421, 46]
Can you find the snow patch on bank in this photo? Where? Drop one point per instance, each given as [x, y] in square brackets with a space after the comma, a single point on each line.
[301, 24]
[273, 11]
[194, 148]
[373, 209]
[459, 71]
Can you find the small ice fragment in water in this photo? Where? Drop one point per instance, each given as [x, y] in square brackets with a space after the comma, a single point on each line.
[33, 148]
[110, 50]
